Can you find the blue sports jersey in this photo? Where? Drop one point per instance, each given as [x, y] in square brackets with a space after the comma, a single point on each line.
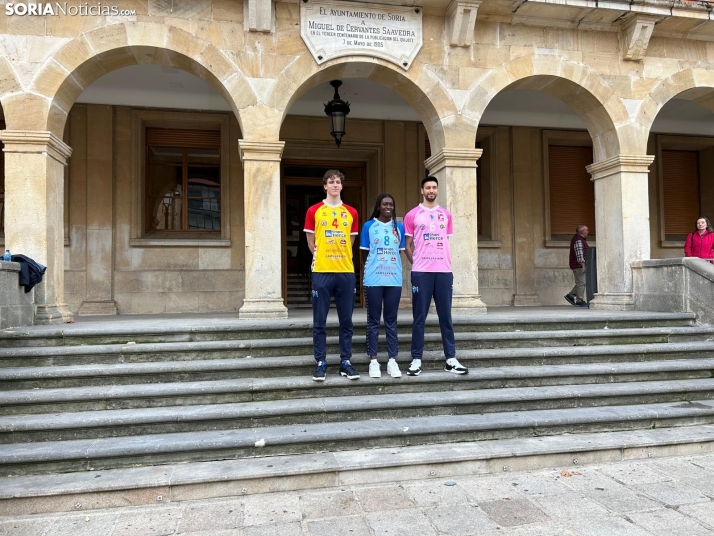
[384, 265]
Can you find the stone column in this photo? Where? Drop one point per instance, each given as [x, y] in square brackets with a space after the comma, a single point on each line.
[622, 223]
[456, 171]
[100, 210]
[263, 254]
[34, 212]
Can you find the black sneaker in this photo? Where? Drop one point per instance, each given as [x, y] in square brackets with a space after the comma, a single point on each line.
[348, 371]
[581, 303]
[320, 368]
[570, 299]
[452, 365]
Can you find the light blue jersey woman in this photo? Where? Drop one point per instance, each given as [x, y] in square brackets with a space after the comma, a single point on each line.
[384, 238]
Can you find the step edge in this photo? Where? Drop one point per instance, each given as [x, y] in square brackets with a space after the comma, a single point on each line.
[629, 445]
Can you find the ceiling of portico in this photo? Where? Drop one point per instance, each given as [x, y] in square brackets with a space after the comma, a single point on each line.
[155, 86]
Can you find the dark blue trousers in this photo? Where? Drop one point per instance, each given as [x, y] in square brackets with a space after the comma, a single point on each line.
[390, 296]
[440, 286]
[342, 286]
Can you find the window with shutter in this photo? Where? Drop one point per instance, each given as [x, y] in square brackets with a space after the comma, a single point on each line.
[680, 192]
[183, 180]
[572, 193]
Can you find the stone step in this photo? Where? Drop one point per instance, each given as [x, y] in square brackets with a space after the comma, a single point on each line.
[117, 452]
[87, 490]
[138, 372]
[340, 409]
[213, 329]
[181, 351]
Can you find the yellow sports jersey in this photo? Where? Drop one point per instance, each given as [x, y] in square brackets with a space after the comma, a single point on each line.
[333, 228]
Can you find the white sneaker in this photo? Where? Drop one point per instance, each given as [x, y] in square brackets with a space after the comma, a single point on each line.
[452, 365]
[414, 368]
[393, 368]
[374, 370]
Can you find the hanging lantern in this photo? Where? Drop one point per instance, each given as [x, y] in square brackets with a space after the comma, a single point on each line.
[337, 110]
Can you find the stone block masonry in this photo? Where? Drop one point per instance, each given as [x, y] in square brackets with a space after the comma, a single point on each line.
[15, 305]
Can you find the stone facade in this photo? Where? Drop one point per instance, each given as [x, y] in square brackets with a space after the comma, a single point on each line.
[614, 71]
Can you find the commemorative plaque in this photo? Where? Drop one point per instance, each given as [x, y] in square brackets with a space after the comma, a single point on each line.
[334, 29]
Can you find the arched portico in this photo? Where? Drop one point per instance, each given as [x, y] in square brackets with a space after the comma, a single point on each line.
[36, 117]
[453, 161]
[619, 173]
[682, 197]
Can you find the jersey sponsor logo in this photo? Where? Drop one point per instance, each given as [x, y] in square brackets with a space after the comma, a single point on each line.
[431, 216]
[330, 241]
[343, 215]
[334, 213]
[380, 251]
[394, 259]
[442, 226]
[344, 224]
[441, 217]
[334, 234]
[376, 240]
[432, 236]
[323, 223]
[439, 244]
[422, 227]
[343, 242]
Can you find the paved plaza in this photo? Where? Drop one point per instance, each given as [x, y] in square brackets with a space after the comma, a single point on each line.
[663, 496]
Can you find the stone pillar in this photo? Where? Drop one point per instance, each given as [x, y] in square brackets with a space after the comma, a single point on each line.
[622, 223]
[100, 210]
[34, 212]
[263, 254]
[456, 171]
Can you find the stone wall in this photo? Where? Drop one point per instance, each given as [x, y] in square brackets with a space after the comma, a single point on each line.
[16, 307]
[104, 261]
[675, 285]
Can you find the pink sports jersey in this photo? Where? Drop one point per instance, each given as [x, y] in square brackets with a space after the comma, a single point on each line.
[430, 227]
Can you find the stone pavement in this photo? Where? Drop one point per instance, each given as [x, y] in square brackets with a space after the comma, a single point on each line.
[664, 496]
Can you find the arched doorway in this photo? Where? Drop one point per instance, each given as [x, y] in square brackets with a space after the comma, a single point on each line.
[681, 178]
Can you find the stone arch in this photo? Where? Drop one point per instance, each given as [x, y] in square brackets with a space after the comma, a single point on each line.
[83, 60]
[419, 86]
[692, 84]
[9, 86]
[575, 84]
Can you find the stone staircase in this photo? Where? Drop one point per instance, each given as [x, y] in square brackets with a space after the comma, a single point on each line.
[117, 398]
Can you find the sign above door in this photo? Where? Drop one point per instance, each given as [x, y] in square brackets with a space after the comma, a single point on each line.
[334, 29]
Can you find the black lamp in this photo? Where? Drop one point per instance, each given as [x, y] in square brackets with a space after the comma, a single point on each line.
[338, 110]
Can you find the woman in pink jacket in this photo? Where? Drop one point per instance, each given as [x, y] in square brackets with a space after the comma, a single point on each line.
[700, 242]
